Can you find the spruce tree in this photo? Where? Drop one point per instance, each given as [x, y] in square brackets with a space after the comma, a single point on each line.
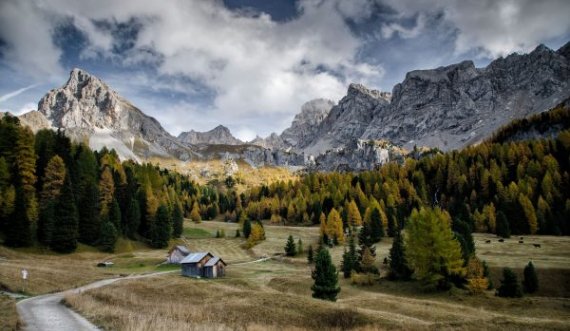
[66, 232]
[108, 238]
[399, 269]
[510, 287]
[177, 221]
[238, 234]
[376, 227]
[161, 228]
[18, 228]
[290, 248]
[530, 281]
[115, 214]
[89, 221]
[464, 236]
[133, 218]
[350, 258]
[365, 241]
[246, 228]
[325, 276]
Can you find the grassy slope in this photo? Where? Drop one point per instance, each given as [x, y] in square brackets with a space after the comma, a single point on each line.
[276, 294]
[8, 314]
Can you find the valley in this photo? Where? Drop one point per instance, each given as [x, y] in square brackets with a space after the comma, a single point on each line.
[275, 294]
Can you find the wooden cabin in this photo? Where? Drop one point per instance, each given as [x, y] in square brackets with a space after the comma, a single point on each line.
[193, 264]
[215, 267]
[177, 253]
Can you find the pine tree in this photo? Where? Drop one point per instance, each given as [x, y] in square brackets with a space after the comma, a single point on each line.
[18, 228]
[177, 221]
[246, 228]
[350, 258]
[530, 281]
[503, 229]
[510, 287]
[66, 224]
[133, 218]
[325, 276]
[399, 269]
[376, 227]
[310, 254]
[161, 228]
[109, 235]
[290, 248]
[115, 214]
[432, 251]
[89, 221]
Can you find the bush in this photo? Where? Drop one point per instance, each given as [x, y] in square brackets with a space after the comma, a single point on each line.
[359, 279]
[510, 287]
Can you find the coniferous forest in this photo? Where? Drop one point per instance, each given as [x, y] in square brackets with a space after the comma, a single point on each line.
[58, 193]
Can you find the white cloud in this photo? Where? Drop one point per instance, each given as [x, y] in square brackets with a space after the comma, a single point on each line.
[390, 29]
[497, 28]
[15, 93]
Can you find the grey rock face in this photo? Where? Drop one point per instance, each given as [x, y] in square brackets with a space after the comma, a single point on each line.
[35, 120]
[454, 106]
[85, 107]
[306, 124]
[219, 135]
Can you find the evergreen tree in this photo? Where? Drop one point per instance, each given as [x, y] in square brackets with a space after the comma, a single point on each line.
[350, 258]
[367, 263]
[106, 191]
[325, 276]
[89, 222]
[177, 221]
[290, 248]
[354, 217]
[46, 222]
[365, 241]
[376, 227]
[115, 214]
[108, 238]
[66, 232]
[432, 251]
[399, 269]
[530, 281]
[464, 236]
[133, 219]
[238, 234]
[503, 229]
[161, 228]
[19, 226]
[25, 163]
[310, 254]
[510, 287]
[246, 228]
[54, 176]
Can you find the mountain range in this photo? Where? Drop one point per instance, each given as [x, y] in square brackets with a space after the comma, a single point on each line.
[446, 108]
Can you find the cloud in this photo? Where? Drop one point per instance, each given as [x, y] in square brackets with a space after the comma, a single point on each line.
[15, 93]
[390, 29]
[495, 28]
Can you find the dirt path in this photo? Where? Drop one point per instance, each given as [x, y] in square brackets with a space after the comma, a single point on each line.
[45, 312]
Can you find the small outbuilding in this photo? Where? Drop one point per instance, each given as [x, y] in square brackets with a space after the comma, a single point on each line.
[177, 253]
[193, 264]
[215, 267]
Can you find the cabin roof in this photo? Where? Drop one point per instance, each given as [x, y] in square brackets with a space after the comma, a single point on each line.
[195, 257]
[181, 248]
[212, 262]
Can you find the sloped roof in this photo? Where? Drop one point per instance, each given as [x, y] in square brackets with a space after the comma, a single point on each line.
[212, 262]
[195, 257]
[183, 249]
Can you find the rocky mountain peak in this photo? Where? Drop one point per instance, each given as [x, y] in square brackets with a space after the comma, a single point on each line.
[220, 135]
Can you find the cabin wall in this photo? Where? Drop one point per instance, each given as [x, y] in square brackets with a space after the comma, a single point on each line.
[175, 257]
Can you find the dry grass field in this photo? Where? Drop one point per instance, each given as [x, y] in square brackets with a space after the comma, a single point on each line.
[8, 314]
[276, 295]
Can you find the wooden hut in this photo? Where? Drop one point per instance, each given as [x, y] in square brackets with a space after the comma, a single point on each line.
[193, 264]
[177, 253]
[215, 267]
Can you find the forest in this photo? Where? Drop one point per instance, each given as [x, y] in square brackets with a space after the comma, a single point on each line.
[57, 193]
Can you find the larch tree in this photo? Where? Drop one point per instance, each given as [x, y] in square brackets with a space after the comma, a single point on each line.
[529, 213]
[54, 176]
[432, 251]
[195, 213]
[325, 276]
[334, 228]
[25, 164]
[106, 191]
[354, 217]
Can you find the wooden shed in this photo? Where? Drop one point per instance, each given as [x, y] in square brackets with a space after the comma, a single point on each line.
[177, 253]
[193, 264]
[215, 267]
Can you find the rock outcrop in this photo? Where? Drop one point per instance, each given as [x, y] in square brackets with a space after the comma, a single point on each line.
[219, 135]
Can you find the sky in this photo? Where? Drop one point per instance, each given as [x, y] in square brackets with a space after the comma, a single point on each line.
[251, 64]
